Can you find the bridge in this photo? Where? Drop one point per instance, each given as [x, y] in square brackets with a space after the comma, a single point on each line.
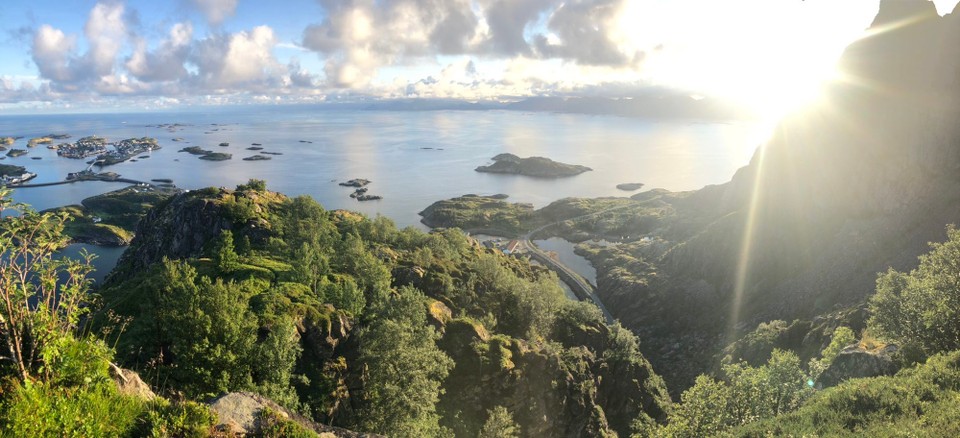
[580, 287]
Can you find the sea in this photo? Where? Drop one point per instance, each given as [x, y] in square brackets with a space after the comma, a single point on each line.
[412, 158]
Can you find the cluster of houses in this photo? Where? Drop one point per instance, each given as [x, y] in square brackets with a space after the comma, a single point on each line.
[83, 148]
[97, 146]
[17, 179]
[506, 246]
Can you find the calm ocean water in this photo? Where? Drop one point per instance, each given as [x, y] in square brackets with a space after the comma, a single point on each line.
[413, 158]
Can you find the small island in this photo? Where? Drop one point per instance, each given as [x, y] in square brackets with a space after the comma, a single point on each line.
[224, 144]
[16, 152]
[629, 187]
[539, 167]
[216, 156]
[256, 158]
[356, 182]
[254, 148]
[205, 154]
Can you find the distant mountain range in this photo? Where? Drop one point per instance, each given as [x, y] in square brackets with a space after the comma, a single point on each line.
[659, 104]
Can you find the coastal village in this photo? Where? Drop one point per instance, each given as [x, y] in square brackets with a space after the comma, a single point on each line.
[97, 146]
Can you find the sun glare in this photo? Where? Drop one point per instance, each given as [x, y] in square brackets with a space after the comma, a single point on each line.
[771, 56]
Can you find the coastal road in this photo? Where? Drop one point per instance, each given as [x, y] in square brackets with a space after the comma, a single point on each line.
[581, 288]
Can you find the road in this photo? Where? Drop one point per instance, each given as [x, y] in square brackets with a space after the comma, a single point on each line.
[581, 288]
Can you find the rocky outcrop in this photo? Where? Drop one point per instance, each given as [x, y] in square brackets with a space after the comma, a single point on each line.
[540, 167]
[856, 361]
[582, 390]
[129, 383]
[239, 413]
[181, 227]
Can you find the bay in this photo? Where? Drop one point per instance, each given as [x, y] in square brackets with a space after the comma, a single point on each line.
[413, 157]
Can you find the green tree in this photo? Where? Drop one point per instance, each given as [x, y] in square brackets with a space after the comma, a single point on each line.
[404, 369]
[257, 185]
[210, 332]
[745, 395]
[224, 254]
[920, 309]
[499, 424]
[702, 412]
[275, 358]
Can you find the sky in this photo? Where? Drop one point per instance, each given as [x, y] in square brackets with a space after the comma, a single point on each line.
[144, 54]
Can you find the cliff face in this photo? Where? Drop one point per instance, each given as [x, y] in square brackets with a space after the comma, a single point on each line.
[181, 227]
[861, 181]
[842, 190]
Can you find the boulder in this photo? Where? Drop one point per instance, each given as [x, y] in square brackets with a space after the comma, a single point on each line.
[130, 383]
[856, 361]
[237, 413]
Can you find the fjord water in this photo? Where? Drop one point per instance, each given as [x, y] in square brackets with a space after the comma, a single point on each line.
[414, 158]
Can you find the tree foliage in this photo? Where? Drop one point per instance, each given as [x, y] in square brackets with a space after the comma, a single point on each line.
[920, 309]
[745, 394]
[404, 369]
[41, 297]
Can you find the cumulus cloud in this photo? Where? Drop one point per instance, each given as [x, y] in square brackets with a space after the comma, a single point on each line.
[507, 21]
[166, 63]
[54, 52]
[530, 40]
[51, 50]
[585, 31]
[242, 58]
[216, 11]
[10, 92]
[358, 37]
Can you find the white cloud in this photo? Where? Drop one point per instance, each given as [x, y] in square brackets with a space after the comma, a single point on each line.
[54, 52]
[358, 37]
[106, 32]
[242, 58]
[216, 11]
[166, 63]
[51, 49]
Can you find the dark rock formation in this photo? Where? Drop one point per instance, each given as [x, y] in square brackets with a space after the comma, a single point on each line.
[534, 166]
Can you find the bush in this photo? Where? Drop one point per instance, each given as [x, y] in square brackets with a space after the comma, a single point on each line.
[186, 419]
[921, 309]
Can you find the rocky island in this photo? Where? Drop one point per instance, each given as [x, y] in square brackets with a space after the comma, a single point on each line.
[206, 154]
[357, 182]
[629, 187]
[539, 167]
[16, 152]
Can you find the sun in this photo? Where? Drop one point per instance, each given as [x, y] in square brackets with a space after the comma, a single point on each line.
[771, 56]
